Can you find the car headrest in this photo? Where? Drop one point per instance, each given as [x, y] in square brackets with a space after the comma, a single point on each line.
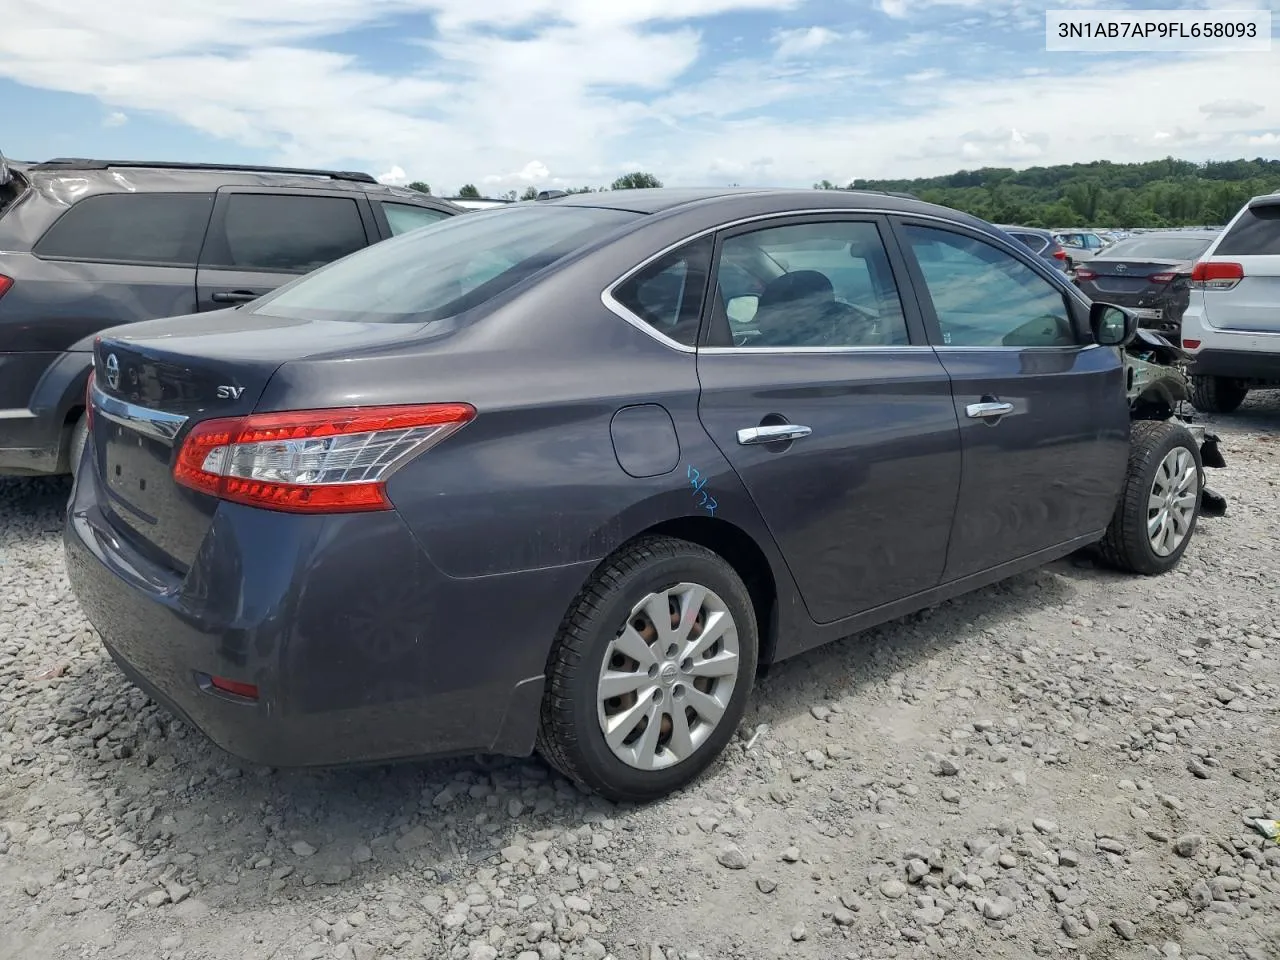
[799, 285]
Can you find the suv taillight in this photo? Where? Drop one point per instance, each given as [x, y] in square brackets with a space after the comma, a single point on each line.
[1059, 254]
[5, 284]
[312, 461]
[1211, 275]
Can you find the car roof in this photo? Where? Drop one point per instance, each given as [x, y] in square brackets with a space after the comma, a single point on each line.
[1038, 231]
[105, 176]
[1176, 234]
[725, 199]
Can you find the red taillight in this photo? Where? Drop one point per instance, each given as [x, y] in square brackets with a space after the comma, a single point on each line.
[312, 461]
[1162, 277]
[1213, 275]
[1084, 273]
[247, 690]
[1059, 254]
[5, 284]
[1191, 344]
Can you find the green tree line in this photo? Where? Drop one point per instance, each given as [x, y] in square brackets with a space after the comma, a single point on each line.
[638, 180]
[1161, 193]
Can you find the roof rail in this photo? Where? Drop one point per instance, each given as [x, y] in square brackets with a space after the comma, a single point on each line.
[79, 163]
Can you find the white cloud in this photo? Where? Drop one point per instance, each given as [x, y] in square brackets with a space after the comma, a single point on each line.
[586, 85]
[115, 119]
[395, 177]
[795, 43]
[1265, 140]
[1231, 108]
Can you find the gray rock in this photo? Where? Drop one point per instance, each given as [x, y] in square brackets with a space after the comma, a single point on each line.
[1188, 845]
[1068, 858]
[791, 855]
[766, 884]
[929, 916]
[732, 858]
[1125, 929]
[1073, 928]
[303, 849]
[798, 933]
[893, 889]
[947, 767]
[1044, 826]
[1001, 908]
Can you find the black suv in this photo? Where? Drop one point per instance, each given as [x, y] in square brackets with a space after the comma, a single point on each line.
[89, 244]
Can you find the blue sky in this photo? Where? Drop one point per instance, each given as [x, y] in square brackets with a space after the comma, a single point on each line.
[507, 93]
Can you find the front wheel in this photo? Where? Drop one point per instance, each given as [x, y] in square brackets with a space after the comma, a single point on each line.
[1217, 394]
[651, 671]
[1160, 501]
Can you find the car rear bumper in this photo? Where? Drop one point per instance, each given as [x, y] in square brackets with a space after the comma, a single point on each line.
[361, 650]
[1236, 364]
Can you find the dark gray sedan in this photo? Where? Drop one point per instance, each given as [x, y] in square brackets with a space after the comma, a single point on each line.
[565, 475]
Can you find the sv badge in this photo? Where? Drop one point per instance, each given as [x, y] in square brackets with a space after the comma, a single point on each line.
[229, 392]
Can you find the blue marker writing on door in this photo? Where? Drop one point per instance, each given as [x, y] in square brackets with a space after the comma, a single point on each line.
[697, 481]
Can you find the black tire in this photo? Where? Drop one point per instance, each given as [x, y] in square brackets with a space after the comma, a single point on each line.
[1217, 394]
[79, 436]
[1126, 545]
[569, 734]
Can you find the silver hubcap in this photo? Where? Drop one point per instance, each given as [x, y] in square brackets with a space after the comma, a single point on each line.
[1173, 501]
[668, 677]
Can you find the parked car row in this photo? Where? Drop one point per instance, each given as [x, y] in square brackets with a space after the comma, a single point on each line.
[88, 244]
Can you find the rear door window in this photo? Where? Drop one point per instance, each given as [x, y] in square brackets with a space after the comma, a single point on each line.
[1256, 233]
[403, 217]
[284, 233]
[151, 228]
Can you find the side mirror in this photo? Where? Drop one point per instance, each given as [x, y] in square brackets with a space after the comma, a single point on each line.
[1112, 326]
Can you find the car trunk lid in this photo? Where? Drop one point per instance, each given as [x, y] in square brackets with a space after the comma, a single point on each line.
[1131, 276]
[153, 381]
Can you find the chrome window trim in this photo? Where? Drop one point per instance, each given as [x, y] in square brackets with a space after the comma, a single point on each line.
[611, 303]
[156, 424]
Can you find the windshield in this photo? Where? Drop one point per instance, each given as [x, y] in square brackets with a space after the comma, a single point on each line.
[1158, 248]
[442, 269]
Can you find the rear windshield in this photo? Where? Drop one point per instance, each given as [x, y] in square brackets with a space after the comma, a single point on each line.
[442, 269]
[1157, 248]
[1031, 240]
[1256, 232]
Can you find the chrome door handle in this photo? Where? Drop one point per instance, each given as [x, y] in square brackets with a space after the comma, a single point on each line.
[773, 433]
[988, 409]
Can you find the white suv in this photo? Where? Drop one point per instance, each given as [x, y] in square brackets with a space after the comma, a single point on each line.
[1231, 328]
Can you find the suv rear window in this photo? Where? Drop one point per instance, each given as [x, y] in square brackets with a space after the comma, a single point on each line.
[458, 264]
[285, 233]
[153, 228]
[1257, 232]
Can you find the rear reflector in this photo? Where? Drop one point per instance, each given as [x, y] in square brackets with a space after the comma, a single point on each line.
[1084, 273]
[312, 461]
[1212, 275]
[247, 690]
[5, 284]
[1191, 344]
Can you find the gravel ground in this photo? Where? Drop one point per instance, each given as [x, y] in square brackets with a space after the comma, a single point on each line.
[1059, 765]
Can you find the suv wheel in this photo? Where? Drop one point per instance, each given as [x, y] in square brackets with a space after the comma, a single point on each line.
[1160, 501]
[1217, 394]
[651, 672]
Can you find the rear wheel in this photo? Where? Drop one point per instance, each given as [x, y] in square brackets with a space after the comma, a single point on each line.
[1160, 502]
[651, 671]
[1217, 394]
[79, 436]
